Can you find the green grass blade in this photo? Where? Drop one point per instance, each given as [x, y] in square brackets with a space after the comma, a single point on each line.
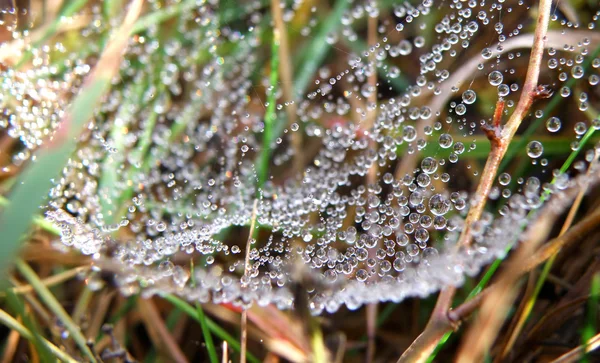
[18, 306]
[208, 340]
[11, 323]
[318, 48]
[69, 9]
[214, 327]
[34, 183]
[270, 116]
[159, 16]
[591, 325]
[55, 307]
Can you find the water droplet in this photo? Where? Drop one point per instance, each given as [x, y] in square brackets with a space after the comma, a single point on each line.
[553, 124]
[495, 78]
[469, 96]
[429, 165]
[535, 149]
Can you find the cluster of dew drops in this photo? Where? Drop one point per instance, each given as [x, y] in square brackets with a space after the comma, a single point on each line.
[167, 171]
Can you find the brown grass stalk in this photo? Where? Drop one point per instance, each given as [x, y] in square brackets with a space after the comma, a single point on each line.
[287, 80]
[244, 322]
[439, 321]
[373, 172]
[526, 307]
[158, 332]
[449, 319]
[498, 301]
[575, 355]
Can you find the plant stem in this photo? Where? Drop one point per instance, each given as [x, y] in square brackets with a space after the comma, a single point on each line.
[287, 80]
[13, 324]
[50, 300]
[244, 323]
[439, 322]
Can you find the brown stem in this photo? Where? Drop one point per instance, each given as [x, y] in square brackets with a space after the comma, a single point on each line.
[574, 234]
[426, 342]
[439, 323]
[444, 319]
[244, 322]
[530, 92]
[285, 70]
[373, 170]
[527, 303]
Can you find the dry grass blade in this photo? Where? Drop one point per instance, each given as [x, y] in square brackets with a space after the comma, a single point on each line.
[285, 72]
[498, 301]
[244, 327]
[521, 318]
[576, 354]
[54, 305]
[371, 309]
[10, 347]
[225, 356]
[158, 332]
[13, 324]
[49, 281]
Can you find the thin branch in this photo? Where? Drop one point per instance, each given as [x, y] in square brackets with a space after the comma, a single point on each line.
[575, 354]
[496, 304]
[285, 70]
[49, 281]
[530, 92]
[439, 323]
[244, 323]
[373, 170]
[444, 319]
[422, 347]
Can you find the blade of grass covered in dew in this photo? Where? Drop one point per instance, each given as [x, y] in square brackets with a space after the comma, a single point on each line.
[161, 15]
[18, 307]
[591, 325]
[270, 115]
[12, 323]
[214, 327]
[554, 102]
[69, 9]
[399, 83]
[111, 166]
[315, 53]
[318, 47]
[55, 307]
[496, 264]
[110, 8]
[35, 181]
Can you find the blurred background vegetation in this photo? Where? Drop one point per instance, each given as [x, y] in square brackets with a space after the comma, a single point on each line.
[54, 307]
